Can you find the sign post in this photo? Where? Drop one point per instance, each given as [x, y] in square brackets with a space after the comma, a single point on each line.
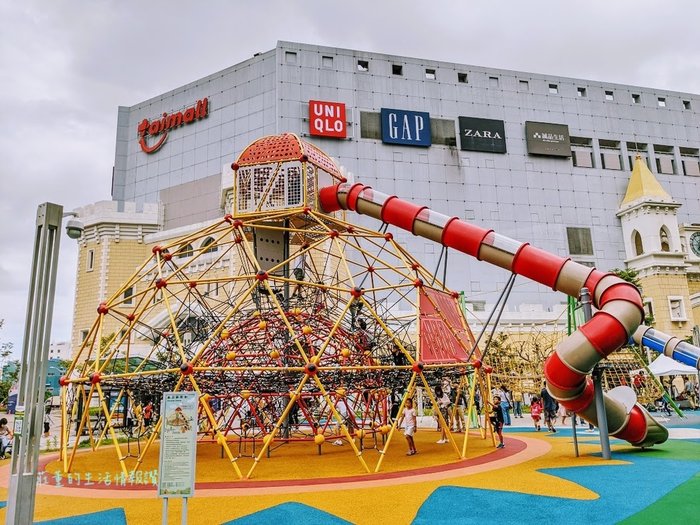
[178, 449]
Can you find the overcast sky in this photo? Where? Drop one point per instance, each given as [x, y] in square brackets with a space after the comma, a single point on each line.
[66, 66]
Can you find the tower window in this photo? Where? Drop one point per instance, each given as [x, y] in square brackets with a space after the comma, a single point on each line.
[90, 263]
[638, 245]
[128, 296]
[665, 244]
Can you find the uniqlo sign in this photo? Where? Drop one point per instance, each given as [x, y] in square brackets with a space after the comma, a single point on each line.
[327, 119]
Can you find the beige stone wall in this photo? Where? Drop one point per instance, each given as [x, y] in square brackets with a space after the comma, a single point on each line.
[659, 288]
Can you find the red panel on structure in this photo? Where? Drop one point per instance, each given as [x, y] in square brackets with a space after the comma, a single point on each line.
[636, 429]
[445, 336]
[400, 213]
[538, 265]
[464, 237]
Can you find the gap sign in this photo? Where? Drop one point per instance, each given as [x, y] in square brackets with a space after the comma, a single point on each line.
[411, 128]
[327, 119]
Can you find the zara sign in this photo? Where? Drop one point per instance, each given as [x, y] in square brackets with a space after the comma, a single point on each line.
[411, 128]
[482, 134]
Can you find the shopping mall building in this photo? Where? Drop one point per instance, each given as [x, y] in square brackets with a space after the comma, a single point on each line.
[539, 158]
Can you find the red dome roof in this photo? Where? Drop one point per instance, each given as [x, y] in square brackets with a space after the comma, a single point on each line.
[283, 148]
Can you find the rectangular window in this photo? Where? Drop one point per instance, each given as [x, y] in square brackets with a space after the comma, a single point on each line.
[648, 311]
[581, 92]
[553, 89]
[370, 125]
[582, 152]
[610, 155]
[462, 78]
[362, 65]
[430, 74]
[690, 157]
[636, 99]
[590, 264]
[290, 57]
[478, 306]
[493, 81]
[676, 307]
[83, 335]
[686, 104]
[609, 95]
[637, 148]
[523, 85]
[397, 69]
[90, 263]
[327, 62]
[128, 296]
[442, 131]
[662, 102]
[665, 162]
[580, 242]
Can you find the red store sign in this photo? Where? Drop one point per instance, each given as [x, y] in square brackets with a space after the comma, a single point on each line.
[158, 129]
[327, 119]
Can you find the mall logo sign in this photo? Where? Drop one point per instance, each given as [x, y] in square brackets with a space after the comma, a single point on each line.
[482, 134]
[411, 128]
[545, 138]
[327, 119]
[158, 129]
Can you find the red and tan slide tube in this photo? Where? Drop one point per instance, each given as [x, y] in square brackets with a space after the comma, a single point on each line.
[619, 304]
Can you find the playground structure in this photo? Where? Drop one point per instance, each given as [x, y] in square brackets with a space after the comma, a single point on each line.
[292, 323]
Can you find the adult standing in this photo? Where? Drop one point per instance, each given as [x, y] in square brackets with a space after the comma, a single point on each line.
[517, 403]
[550, 406]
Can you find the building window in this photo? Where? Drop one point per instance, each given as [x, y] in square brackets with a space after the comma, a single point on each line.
[430, 74]
[185, 251]
[462, 78]
[493, 81]
[610, 155]
[665, 243]
[290, 57]
[370, 125]
[676, 307]
[690, 158]
[327, 62]
[128, 296]
[83, 335]
[553, 89]
[208, 245]
[609, 95]
[478, 306]
[636, 99]
[637, 148]
[648, 311]
[524, 85]
[589, 264]
[686, 104]
[397, 69]
[90, 263]
[212, 289]
[665, 162]
[362, 65]
[638, 245]
[442, 131]
[582, 152]
[662, 102]
[580, 242]
[581, 92]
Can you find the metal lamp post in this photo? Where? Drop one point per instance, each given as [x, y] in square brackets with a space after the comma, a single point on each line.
[35, 349]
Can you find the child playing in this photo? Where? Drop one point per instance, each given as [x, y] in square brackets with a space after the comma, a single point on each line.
[409, 417]
[536, 412]
[497, 419]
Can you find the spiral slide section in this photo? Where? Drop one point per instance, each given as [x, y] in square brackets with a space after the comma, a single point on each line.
[567, 369]
[670, 346]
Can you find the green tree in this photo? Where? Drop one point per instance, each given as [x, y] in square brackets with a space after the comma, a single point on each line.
[8, 379]
[632, 276]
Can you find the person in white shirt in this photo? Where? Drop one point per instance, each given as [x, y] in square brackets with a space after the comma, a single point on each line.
[410, 422]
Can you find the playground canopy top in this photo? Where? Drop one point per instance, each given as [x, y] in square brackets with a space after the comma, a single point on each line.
[665, 366]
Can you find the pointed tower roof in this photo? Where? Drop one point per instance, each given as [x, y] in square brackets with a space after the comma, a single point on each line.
[643, 186]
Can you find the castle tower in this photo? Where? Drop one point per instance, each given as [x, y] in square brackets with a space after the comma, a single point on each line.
[653, 248]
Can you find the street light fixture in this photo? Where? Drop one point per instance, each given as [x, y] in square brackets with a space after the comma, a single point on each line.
[35, 349]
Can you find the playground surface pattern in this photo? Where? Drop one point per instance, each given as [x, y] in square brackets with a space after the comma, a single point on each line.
[535, 479]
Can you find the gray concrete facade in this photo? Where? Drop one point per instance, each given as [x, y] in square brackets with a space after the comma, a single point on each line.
[531, 198]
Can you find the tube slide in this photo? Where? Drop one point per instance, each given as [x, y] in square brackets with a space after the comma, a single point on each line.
[668, 345]
[567, 369]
